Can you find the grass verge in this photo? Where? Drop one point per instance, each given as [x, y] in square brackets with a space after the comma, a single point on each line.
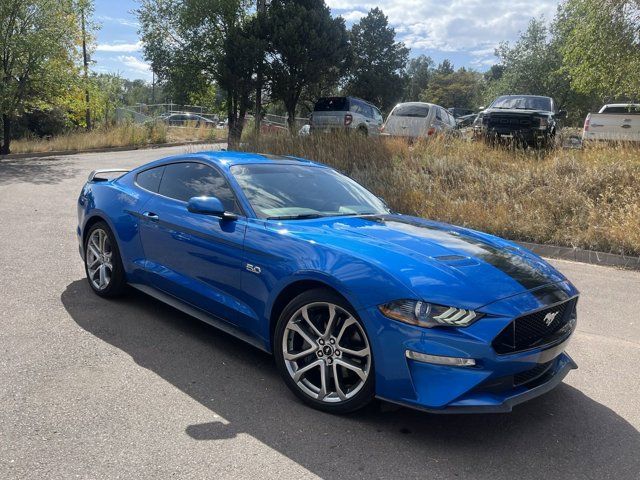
[587, 198]
[123, 135]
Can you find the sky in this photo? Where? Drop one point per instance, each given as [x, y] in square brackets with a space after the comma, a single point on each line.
[464, 31]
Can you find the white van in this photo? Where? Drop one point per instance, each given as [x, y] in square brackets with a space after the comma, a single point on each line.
[418, 119]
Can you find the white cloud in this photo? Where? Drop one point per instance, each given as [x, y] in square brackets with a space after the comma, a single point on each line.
[119, 47]
[126, 22]
[353, 16]
[134, 63]
[457, 25]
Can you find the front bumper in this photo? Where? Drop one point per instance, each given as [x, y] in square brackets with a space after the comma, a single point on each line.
[489, 386]
[501, 402]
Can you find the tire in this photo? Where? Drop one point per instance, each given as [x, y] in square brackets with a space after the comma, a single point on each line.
[101, 252]
[314, 351]
[363, 131]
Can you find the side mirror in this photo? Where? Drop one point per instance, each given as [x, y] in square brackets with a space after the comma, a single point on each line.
[562, 114]
[209, 206]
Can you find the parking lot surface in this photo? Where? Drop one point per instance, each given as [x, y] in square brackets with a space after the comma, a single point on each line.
[91, 388]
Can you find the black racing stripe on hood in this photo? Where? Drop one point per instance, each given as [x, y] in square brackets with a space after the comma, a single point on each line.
[550, 295]
[512, 264]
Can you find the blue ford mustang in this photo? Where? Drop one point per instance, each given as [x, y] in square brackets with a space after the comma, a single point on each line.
[353, 300]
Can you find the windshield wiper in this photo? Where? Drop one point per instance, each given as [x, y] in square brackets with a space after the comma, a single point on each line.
[302, 216]
[354, 214]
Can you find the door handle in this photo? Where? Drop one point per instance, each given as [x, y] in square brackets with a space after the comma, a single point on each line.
[151, 216]
[626, 125]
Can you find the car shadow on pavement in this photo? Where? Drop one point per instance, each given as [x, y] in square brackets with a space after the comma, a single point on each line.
[36, 170]
[563, 434]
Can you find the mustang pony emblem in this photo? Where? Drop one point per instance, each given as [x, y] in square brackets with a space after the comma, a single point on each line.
[549, 318]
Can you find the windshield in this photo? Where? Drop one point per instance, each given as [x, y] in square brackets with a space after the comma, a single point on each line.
[302, 191]
[419, 111]
[622, 109]
[523, 103]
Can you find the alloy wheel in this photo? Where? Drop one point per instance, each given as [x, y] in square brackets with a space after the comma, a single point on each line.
[99, 254]
[326, 352]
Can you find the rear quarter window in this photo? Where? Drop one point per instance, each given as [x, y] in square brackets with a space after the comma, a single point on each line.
[150, 179]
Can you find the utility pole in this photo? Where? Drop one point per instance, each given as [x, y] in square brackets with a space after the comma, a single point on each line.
[86, 70]
[261, 9]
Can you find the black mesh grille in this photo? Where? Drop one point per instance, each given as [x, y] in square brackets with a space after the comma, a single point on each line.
[514, 122]
[530, 375]
[537, 329]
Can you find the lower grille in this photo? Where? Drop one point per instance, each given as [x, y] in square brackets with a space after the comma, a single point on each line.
[530, 375]
[538, 328]
[529, 378]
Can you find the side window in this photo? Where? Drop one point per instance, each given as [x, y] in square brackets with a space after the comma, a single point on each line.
[368, 112]
[150, 179]
[439, 113]
[185, 180]
[377, 115]
[356, 107]
[450, 120]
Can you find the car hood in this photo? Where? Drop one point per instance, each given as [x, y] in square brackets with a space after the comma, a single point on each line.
[439, 263]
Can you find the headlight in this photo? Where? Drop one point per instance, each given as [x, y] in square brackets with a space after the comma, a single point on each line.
[424, 314]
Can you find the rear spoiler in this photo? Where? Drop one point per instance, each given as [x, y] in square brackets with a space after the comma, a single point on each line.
[103, 174]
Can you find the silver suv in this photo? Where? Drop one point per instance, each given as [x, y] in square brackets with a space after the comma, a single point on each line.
[345, 113]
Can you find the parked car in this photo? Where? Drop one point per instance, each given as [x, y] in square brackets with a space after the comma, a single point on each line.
[187, 120]
[614, 122]
[466, 120]
[530, 120]
[353, 300]
[458, 112]
[345, 113]
[418, 120]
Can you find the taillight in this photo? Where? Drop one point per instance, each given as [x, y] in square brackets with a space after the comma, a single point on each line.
[586, 123]
[431, 131]
[382, 127]
[348, 118]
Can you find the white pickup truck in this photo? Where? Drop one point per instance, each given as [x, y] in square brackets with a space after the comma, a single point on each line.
[614, 122]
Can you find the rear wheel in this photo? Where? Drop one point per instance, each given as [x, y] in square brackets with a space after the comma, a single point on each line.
[102, 262]
[323, 353]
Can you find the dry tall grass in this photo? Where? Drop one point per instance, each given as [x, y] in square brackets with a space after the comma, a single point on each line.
[588, 198]
[123, 135]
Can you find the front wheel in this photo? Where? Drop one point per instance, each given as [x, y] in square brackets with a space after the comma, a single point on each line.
[323, 353]
[102, 262]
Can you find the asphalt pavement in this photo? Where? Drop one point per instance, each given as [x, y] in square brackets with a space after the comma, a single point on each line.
[95, 389]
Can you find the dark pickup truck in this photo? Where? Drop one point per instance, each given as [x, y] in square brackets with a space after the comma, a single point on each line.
[528, 120]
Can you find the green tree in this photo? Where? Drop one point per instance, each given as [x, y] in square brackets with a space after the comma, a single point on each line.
[376, 72]
[601, 46]
[419, 71]
[306, 48]
[177, 52]
[445, 67]
[38, 54]
[193, 44]
[454, 88]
